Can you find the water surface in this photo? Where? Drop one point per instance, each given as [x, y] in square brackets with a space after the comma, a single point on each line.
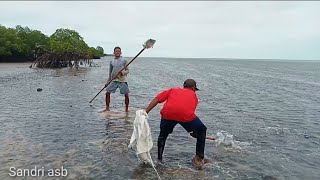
[265, 114]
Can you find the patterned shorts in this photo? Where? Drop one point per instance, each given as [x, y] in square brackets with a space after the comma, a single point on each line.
[114, 85]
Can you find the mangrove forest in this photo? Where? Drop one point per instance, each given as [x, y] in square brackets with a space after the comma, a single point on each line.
[64, 48]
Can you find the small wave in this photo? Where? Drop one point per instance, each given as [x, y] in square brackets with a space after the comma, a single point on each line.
[227, 140]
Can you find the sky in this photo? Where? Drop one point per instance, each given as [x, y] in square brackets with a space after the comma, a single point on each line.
[182, 29]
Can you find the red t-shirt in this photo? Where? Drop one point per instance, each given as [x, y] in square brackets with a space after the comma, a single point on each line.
[180, 105]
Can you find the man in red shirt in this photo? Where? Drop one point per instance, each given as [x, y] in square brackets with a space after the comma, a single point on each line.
[180, 107]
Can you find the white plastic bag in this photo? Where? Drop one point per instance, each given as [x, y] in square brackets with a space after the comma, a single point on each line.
[141, 138]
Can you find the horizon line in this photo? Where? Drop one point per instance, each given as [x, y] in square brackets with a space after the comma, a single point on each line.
[225, 58]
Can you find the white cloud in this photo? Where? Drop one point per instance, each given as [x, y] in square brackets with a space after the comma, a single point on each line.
[182, 29]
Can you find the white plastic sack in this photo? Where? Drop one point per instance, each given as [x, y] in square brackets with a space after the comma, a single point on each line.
[141, 138]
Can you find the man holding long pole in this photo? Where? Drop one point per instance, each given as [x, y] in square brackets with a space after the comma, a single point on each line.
[120, 80]
[116, 73]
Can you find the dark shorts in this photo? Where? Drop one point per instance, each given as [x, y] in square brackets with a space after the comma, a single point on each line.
[114, 85]
[195, 125]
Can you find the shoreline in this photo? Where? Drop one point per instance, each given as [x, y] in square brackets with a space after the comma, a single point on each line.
[14, 62]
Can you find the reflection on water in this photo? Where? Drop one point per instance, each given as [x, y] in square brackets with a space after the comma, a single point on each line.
[264, 115]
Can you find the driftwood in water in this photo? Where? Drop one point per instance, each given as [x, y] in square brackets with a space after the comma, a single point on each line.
[60, 60]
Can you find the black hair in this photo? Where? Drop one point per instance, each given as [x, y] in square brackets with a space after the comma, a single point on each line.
[117, 47]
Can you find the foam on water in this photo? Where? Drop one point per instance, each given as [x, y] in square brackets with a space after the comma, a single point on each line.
[225, 139]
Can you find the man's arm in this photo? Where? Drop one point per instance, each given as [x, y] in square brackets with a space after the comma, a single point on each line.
[160, 98]
[125, 71]
[110, 71]
[152, 104]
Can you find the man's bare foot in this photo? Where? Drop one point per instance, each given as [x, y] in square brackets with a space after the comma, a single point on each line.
[159, 162]
[107, 109]
[197, 162]
[207, 161]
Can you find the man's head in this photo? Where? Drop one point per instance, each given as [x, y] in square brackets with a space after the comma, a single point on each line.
[191, 84]
[117, 52]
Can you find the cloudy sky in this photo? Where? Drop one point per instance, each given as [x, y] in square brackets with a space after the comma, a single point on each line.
[209, 29]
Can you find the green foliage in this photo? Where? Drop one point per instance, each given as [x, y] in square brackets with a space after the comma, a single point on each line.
[100, 50]
[32, 39]
[66, 40]
[24, 42]
[96, 52]
[10, 43]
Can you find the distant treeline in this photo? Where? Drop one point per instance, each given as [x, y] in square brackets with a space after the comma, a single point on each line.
[21, 44]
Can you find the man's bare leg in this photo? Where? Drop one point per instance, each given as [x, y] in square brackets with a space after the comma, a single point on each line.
[126, 101]
[107, 101]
